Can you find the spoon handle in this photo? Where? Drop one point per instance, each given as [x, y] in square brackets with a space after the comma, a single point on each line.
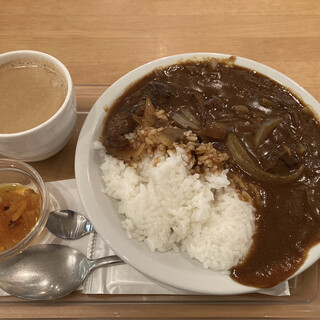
[105, 261]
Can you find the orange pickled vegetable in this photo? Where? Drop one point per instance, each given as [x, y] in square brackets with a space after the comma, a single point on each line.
[19, 211]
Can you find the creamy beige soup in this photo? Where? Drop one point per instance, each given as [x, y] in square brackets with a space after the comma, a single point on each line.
[31, 92]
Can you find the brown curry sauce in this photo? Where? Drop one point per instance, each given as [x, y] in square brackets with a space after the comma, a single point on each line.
[241, 101]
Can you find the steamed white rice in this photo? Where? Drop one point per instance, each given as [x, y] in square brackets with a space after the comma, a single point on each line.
[169, 208]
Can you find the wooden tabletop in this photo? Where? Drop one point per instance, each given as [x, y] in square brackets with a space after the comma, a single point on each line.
[99, 41]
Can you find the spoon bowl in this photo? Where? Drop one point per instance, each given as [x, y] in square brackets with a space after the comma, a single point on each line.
[47, 272]
[68, 224]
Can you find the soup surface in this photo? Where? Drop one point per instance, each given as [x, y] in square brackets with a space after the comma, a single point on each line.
[273, 141]
[31, 92]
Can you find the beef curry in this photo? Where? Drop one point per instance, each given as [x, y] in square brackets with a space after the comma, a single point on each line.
[271, 136]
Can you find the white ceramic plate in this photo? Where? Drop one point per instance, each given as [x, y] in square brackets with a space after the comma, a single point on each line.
[171, 268]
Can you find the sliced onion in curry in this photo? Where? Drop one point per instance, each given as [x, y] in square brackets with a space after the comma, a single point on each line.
[246, 163]
[137, 119]
[149, 116]
[265, 130]
[190, 116]
[183, 122]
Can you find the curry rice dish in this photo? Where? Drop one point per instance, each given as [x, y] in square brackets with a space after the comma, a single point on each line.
[251, 127]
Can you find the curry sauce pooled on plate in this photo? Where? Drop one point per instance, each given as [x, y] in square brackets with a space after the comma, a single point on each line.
[247, 123]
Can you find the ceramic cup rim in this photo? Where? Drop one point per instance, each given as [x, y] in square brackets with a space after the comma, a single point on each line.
[57, 63]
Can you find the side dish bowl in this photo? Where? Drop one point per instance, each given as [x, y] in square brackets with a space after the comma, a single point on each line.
[171, 268]
[14, 172]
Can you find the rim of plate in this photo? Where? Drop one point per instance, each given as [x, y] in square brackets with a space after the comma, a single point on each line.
[170, 268]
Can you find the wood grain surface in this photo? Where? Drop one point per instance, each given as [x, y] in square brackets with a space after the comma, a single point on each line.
[99, 41]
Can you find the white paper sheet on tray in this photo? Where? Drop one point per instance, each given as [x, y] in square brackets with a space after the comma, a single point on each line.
[121, 279]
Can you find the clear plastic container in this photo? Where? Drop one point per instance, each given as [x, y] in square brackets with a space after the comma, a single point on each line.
[17, 172]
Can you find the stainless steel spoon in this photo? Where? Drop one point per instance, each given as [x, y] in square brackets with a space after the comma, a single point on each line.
[48, 271]
[67, 224]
